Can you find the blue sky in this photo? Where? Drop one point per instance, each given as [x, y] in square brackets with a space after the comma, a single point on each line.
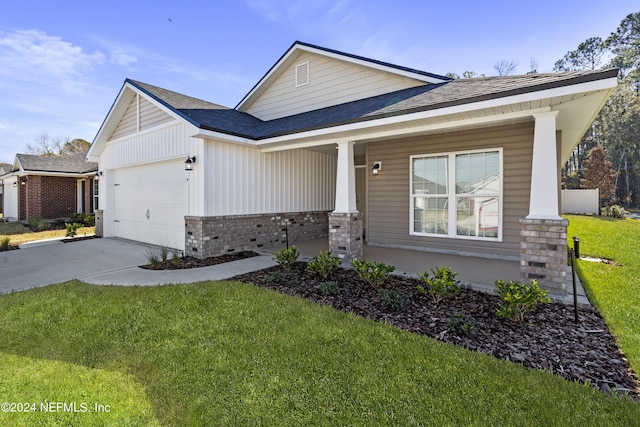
[63, 62]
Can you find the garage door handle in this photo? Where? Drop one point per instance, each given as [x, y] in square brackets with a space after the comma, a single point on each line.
[116, 220]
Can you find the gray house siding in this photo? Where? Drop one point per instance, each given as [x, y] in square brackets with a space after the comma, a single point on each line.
[388, 201]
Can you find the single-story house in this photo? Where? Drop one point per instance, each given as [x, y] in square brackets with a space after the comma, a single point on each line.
[49, 187]
[5, 168]
[366, 152]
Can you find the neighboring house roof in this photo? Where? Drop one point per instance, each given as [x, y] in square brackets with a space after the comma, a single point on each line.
[74, 163]
[209, 116]
[5, 168]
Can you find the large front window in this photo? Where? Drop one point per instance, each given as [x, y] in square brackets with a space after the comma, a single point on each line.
[457, 194]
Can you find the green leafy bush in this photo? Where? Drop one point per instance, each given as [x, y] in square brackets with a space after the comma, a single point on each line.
[375, 274]
[72, 228]
[86, 219]
[391, 300]
[38, 224]
[324, 264]
[441, 285]
[519, 298]
[329, 288]
[4, 243]
[462, 324]
[273, 277]
[286, 257]
[613, 211]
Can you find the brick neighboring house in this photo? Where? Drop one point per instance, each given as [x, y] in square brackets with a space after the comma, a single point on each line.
[48, 187]
[5, 168]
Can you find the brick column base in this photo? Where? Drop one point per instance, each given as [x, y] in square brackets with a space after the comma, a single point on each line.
[345, 235]
[543, 253]
[99, 223]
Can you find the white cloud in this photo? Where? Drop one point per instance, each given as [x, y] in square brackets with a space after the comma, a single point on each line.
[34, 56]
[122, 59]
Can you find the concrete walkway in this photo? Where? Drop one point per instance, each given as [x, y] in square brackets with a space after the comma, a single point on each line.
[104, 261]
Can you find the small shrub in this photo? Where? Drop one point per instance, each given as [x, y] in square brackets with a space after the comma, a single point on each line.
[72, 229]
[86, 219]
[324, 264]
[33, 223]
[613, 211]
[4, 243]
[375, 274]
[519, 298]
[462, 324]
[329, 288]
[391, 300]
[286, 257]
[273, 277]
[175, 259]
[441, 285]
[154, 258]
[43, 225]
[164, 253]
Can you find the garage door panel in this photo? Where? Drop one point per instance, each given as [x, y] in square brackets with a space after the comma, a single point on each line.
[150, 203]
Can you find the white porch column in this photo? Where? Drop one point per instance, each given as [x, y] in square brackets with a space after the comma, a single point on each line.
[543, 201]
[345, 227]
[345, 179]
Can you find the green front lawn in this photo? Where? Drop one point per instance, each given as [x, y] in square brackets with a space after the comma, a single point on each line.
[614, 290]
[223, 353]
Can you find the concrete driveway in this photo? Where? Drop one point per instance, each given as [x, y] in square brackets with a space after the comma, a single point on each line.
[52, 262]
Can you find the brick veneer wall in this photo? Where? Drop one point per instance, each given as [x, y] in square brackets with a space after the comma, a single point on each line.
[345, 235]
[47, 197]
[543, 253]
[211, 236]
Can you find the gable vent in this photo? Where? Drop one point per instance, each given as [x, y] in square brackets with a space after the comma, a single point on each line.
[302, 74]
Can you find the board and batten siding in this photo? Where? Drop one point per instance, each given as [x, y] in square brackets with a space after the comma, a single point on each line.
[244, 180]
[141, 115]
[388, 201]
[331, 82]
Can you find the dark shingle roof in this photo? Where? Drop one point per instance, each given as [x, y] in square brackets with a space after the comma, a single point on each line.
[214, 117]
[74, 163]
[5, 168]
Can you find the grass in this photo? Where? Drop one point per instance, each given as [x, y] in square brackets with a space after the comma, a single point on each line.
[224, 353]
[20, 234]
[613, 290]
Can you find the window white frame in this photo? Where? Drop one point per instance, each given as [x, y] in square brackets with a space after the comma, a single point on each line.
[95, 193]
[452, 196]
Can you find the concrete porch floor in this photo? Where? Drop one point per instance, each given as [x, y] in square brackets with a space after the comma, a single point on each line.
[473, 272]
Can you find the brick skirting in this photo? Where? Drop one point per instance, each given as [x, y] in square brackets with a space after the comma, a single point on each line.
[218, 235]
[543, 253]
[345, 235]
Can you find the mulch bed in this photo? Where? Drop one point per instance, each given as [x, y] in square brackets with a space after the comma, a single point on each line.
[190, 262]
[548, 340]
[79, 239]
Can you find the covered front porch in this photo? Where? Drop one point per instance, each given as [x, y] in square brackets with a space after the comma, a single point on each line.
[473, 272]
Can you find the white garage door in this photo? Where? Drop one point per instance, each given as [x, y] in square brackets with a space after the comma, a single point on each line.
[150, 203]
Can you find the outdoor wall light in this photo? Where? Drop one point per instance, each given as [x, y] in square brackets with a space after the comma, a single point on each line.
[23, 181]
[377, 167]
[15, 184]
[97, 175]
[188, 164]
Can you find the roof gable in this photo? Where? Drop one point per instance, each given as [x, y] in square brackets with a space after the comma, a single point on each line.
[333, 78]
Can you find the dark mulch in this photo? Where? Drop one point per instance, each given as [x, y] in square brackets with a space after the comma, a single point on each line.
[190, 262]
[10, 248]
[79, 239]
[549, 339]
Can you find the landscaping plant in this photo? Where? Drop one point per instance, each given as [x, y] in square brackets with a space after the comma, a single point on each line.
[72, 228]
[391, 300]
[4, 243]
[374, 273]
[324, 264]
[329, 288]
[462, 324]
[286, 257]
[519, 298]
[441, 285]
